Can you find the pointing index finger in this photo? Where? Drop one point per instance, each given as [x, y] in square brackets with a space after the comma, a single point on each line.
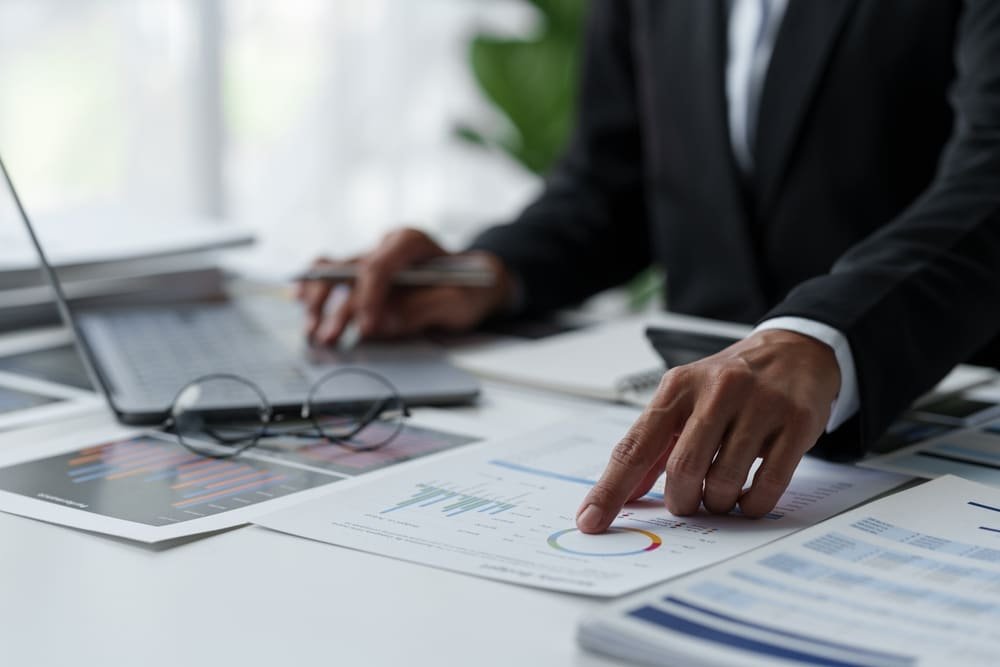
[631, 461]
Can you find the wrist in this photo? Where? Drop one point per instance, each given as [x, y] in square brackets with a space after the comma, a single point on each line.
[799, 353]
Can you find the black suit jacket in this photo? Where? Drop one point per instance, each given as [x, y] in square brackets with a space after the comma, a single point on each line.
[874, 205]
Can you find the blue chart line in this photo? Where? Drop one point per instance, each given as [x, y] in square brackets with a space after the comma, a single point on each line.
[455, 502]
[985, 507]
[591, 482]
[556, 475]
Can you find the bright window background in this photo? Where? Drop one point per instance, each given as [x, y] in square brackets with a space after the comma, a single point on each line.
[321, 124]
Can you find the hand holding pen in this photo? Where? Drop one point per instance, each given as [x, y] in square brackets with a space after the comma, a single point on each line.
[407, 285]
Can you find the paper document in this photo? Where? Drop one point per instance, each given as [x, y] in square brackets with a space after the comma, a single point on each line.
[108, 236]
[505, 510]
[25, 401]
[145, 486]
[912, 579]
[972, 453]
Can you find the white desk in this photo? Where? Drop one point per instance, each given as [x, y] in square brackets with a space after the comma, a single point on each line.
[253, 597]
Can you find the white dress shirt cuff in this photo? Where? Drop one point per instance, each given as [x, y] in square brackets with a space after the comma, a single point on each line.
[847, 401]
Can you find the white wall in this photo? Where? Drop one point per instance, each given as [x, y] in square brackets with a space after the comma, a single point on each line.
[320, 123]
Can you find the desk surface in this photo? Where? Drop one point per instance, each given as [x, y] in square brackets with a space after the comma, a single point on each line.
[253, 597]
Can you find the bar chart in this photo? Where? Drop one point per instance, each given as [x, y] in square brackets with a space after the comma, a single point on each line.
[154, 481]
[452, 502]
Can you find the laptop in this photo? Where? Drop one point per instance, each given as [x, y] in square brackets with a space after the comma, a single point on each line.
[140, 357]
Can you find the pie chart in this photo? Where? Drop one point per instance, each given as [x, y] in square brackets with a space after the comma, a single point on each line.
[612, 543]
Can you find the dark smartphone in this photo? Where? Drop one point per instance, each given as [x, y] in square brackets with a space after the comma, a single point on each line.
[954, 409]
[678, 347]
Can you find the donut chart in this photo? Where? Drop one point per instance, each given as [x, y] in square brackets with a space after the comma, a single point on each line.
[643, 539]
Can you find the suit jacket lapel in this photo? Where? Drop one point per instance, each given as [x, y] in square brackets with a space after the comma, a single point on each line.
[805, 43]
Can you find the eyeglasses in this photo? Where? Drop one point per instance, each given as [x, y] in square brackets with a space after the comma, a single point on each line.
[222, 415]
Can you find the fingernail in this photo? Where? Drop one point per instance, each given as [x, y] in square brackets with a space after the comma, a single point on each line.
[350, 337]
[590, 519]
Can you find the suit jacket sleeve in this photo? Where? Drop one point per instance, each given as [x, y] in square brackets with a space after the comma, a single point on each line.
[588, 230]
[923, 292]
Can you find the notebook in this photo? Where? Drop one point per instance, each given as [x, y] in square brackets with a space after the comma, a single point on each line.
[609, 362]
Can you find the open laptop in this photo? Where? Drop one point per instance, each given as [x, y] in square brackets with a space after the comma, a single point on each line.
[139, 357]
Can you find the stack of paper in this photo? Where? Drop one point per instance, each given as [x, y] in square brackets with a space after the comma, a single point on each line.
[908, 580]
[111, 259]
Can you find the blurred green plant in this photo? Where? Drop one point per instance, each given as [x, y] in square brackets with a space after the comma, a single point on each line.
[532, 81]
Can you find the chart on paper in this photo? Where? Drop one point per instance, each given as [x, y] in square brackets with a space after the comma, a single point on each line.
[911, 579]
[154, 481]
[506, 511]
[972, 453]
[355, 457]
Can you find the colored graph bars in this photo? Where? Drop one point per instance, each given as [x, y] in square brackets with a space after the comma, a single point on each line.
[411, 443]
[451, 502]
[205, 482]
[194, 480]
[152, 480]
[126, 458]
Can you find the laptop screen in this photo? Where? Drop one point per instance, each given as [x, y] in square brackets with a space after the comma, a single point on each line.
[28, 269]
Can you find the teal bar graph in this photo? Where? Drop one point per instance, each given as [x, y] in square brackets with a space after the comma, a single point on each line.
[452, 503]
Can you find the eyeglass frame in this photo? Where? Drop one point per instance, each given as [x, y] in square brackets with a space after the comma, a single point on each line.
[306, 412]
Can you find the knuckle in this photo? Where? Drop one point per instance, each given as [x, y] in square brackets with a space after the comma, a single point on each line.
[725, 474]
[675, 378]
[684, 467]
[395, 235]
[629, 452]
[406, 237]
[682, 505]
[771, 482]
[719, 501]
[721, 495]
[731, 377]
[757, 506]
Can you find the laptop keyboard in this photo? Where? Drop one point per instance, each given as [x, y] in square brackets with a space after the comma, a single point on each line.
[164, 349]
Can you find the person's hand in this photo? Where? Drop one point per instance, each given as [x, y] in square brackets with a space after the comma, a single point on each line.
[767, 396]
[386, 312]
